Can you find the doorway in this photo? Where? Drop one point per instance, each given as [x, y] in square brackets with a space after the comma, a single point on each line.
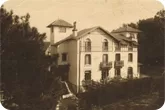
[104, 74]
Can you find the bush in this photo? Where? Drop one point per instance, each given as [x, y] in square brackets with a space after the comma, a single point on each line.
[103, 94]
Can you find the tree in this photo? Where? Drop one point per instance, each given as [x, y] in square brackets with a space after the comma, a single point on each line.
[151, 40]
[25, 76]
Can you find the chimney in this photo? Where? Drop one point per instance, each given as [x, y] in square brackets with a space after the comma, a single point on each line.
[74, 29]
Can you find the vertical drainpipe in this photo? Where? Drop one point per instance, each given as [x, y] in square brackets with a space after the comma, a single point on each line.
[79, 43]
[79, 65]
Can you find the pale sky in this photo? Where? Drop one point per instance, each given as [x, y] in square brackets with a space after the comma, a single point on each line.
[109, 14]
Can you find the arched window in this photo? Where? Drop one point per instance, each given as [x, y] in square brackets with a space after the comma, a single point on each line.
[130, 72]
[87, 59]
[105, 45]
[88, 45]
[105, 58]
[130, 57]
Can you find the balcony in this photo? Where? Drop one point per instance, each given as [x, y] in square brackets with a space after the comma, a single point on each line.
[117, 48]
[86, 82]
[105, 65]
[88, 49]
[119, 63]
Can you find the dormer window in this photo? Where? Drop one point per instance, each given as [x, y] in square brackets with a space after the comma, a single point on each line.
[62, 29]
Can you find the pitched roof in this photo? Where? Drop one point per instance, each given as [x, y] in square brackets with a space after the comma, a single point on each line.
[126, 29]
[116, 36]
[83, 33]
[123, 39]
[61, 23]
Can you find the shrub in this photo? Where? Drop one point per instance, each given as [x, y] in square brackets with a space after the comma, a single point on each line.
[102, 94]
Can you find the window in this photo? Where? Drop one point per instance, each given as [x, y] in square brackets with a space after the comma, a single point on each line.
[88, 75]
[62, 29]
[64, 57]
[130, 57]
[117, 58]
[117, 72]
[130, 72]
[105, 58]
[104, 74]
[88, 45]
[105, 45]
[87, 59]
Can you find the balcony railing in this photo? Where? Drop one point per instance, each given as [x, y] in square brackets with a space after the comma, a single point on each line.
[117, 48]
[119, 63]
[105, 48]
[105, 65]
[86, 82]
[87, 49]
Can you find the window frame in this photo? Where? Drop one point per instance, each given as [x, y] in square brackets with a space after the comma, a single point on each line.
[130, 57]
[89, 58]
[106, 58]
[130, 72]
[105, 45]
[87, 75]
[88, 45]
[66, 57]
[117, 57]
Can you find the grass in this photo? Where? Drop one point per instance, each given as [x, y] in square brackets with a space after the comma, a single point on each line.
[143, 102]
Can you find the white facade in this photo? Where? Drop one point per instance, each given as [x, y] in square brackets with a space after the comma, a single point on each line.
[75, 50]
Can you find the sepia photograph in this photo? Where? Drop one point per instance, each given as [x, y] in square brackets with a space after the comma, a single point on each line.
[82, 54]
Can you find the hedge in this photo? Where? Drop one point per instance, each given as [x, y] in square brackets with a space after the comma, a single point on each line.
[103, 94]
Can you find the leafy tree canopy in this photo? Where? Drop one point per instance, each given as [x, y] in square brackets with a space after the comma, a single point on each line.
[151, 40]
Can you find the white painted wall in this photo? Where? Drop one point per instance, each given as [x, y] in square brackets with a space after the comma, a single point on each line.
[97, 37]
[69, 47]
[57, 36]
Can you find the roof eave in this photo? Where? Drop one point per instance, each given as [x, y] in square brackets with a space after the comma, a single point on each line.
[49, 26]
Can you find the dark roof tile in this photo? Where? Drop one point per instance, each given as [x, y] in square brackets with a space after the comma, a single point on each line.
[126, 29]
[61, 23]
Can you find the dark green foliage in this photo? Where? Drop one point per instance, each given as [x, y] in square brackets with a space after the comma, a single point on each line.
[151, 40]
[116, 91]
[25, 78]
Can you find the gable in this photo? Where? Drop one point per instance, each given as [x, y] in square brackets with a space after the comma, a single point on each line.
[86, 32]
[99, 31]
[97, 37]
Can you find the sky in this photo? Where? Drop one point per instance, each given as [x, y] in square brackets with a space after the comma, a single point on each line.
[109, 14]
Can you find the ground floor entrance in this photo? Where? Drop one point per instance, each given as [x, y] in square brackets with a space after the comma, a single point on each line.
[117, 72]
[104, 74]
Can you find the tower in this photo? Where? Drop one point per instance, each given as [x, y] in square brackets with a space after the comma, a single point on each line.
[59, 29]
